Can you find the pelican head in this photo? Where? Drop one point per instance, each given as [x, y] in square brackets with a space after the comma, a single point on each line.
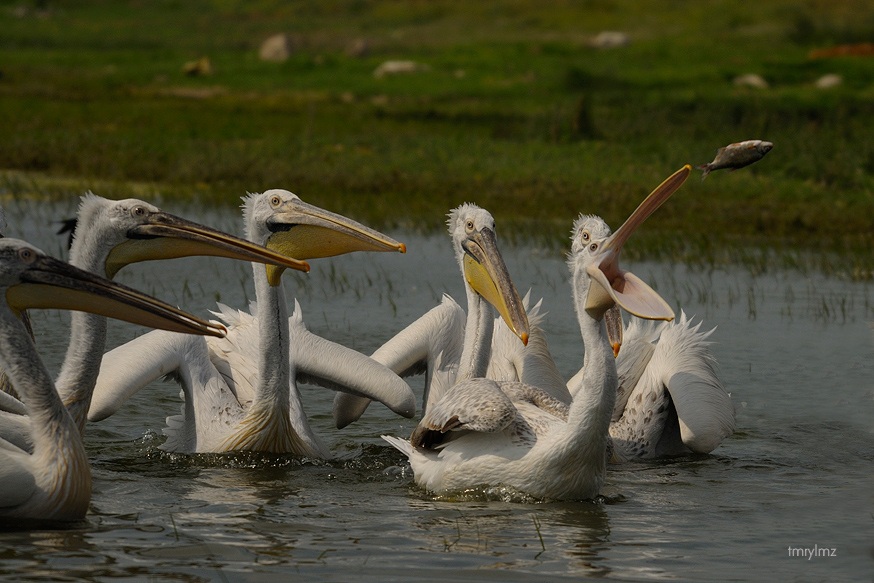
[131, 230]
[473, 236]
[32, 279]
[595, 252]
[281, 221]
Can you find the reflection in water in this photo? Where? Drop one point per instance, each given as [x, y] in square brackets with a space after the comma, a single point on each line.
[584, 531]
[794, 349]
[516, 536]
[37, 552]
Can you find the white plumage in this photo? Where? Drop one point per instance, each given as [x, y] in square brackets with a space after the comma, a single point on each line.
[530, 364]
[52, 481]
[240, 393]
[670, 398]
[109, 236]
[486, 432]
[445, 343]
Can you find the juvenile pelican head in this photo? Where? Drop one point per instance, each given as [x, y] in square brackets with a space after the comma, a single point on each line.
[599, 283]
[281, 221]
[473, 236]
[615, 286]
[131, 230]
[34, 280]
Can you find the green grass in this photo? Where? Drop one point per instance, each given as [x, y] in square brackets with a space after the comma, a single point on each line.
[515, 112]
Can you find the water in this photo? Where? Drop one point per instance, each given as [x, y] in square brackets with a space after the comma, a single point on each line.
[795, 351]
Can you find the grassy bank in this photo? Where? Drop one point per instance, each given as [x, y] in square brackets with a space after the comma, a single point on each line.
[511, 108]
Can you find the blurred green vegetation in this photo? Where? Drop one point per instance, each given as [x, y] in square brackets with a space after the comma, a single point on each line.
[512, 108]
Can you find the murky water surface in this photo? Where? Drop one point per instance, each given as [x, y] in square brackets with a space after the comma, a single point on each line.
[795, 350]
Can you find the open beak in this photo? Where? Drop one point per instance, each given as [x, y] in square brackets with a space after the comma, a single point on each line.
[309, 232]
[50, 283]
[485, 271]
[166, 236]
[624, 288]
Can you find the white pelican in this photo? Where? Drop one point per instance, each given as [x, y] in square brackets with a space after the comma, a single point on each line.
[54, 481]
[444, 341]
[670, 399]
[113, 234]
[485, 432]
[241, 393]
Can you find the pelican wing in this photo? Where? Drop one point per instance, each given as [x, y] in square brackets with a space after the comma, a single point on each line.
[328, 364]
[235, 356]
[439, 330]
[210, 405]
[15, 429]
[130, 367]
[17, 482]
[640, 431]
[705, 411]
[688, 369]
[402, 445]
[432, 342]
[471, 405]
[638, 346]
[314, 359]
[10, 404]
[522, 393]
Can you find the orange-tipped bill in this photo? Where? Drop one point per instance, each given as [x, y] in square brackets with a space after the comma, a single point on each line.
[487, 274]
[309, 232]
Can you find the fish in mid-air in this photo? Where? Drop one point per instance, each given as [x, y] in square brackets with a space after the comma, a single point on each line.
[737, 155]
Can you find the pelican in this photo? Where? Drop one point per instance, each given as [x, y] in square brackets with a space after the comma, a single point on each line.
[54, 481]
[111, 235]
[241, 393]
[670, 399]
[486, 432]
[444, 343]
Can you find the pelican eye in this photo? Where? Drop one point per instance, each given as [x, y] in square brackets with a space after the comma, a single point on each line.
[469, 225]
[138, 211]
[593, 247]
[584, 235]
[275, 200]
[27, 255]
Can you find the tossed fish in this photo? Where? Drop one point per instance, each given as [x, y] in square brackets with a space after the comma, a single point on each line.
[737, 155]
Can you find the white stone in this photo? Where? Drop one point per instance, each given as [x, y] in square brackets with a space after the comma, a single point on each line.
[276, 49]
